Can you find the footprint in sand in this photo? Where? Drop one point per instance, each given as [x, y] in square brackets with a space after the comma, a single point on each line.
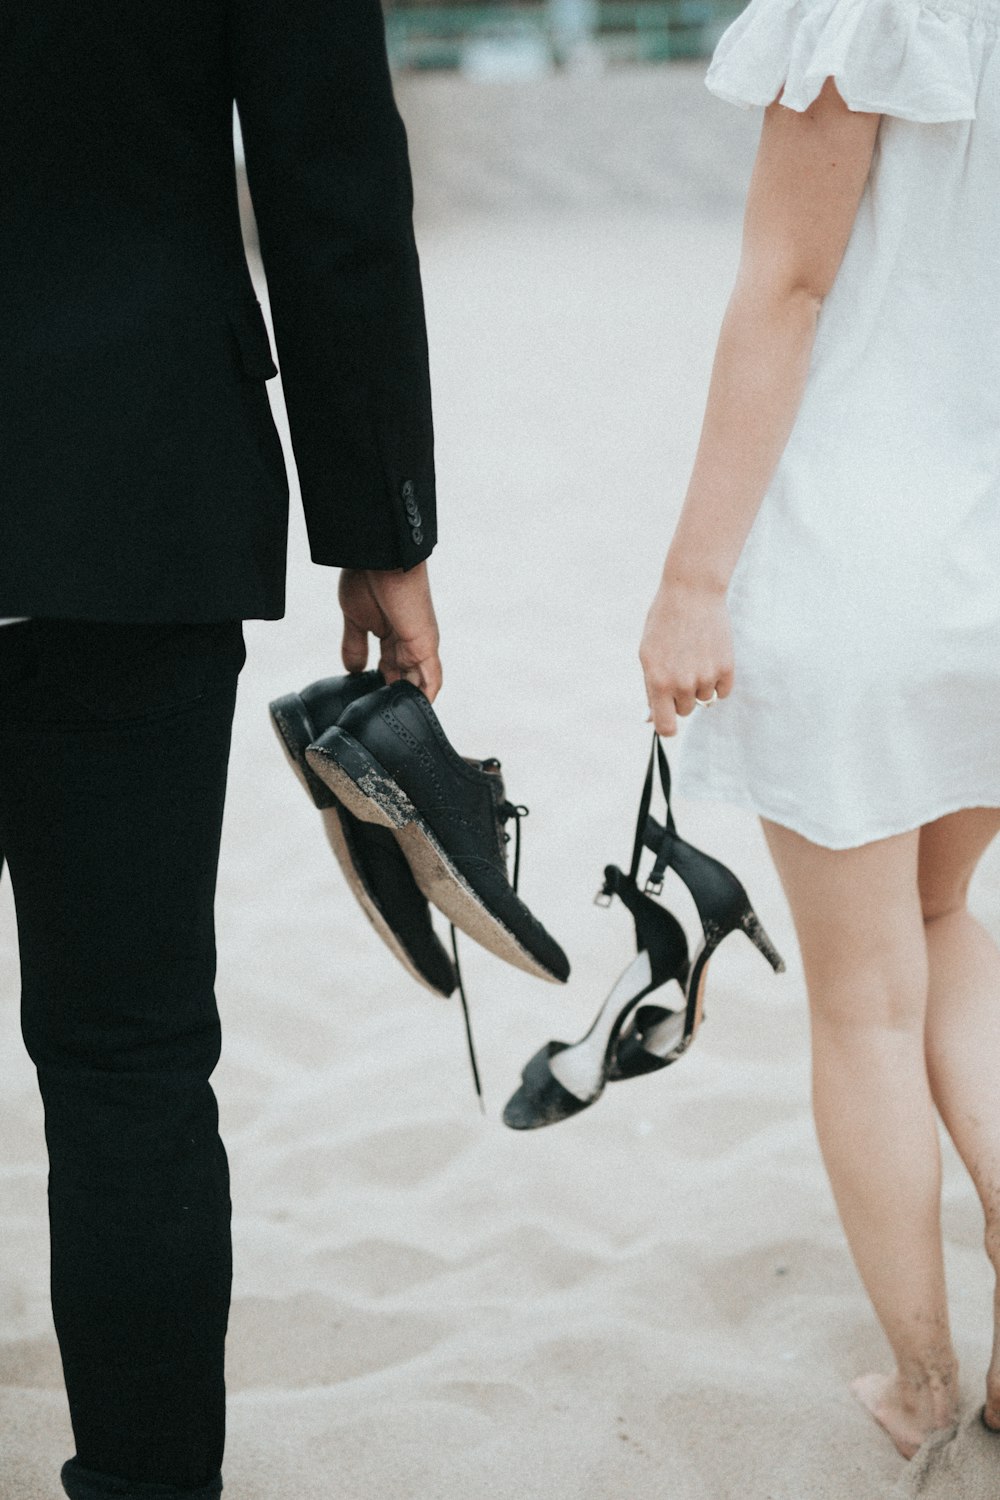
[378, 1267]
[742, 1287]
[959, 1465]
[314, 1340]
[490, 1398]
[730, 1129]
[393, 1157]
[404, 1155]
[35, 1362]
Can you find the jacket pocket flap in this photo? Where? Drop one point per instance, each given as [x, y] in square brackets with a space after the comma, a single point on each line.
[250, 330]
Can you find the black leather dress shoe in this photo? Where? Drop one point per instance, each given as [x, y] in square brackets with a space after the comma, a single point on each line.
[388, 760]
[375, 866]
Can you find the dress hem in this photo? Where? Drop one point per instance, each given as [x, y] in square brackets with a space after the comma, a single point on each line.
[825, 840]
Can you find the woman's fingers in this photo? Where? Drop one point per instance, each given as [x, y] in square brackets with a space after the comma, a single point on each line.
[686, 653]
[676, 706]
[684, 700]
[664, 718]
[669, 701]
[666, 702]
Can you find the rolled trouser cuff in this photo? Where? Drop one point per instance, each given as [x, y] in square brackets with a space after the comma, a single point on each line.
[83, 1484]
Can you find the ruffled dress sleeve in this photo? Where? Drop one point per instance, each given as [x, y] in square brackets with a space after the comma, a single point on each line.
[906, 58]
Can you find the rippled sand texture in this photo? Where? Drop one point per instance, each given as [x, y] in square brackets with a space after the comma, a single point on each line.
[652, 1300]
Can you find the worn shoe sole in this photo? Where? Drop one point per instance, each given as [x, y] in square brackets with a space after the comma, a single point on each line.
[289, 731]
[366, 788]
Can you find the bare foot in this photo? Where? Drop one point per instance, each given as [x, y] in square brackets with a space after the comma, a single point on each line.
[991, 1411]
[908, 1412]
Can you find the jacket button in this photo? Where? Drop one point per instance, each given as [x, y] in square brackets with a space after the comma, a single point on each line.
[418, 536]
[409, 489]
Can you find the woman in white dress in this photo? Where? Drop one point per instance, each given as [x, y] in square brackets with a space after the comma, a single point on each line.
[835, 578]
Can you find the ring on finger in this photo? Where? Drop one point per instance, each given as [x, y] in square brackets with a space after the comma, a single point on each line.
[707, 702]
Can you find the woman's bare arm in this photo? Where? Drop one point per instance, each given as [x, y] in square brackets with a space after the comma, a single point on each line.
[808, 179]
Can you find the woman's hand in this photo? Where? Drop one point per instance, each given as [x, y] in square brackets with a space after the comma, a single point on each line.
[398, 609]
[686, 651]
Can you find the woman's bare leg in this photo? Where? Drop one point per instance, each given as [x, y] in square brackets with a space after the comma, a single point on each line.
[858, 917]
[963, 1022]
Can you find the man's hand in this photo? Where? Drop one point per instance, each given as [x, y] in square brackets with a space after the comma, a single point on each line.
[397, 607]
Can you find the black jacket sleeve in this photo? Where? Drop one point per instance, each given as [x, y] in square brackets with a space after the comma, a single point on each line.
[329, 176]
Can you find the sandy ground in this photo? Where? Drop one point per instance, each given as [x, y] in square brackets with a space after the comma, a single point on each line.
[654, 1299]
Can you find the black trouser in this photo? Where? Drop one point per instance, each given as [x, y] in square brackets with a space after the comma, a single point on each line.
[114, 742]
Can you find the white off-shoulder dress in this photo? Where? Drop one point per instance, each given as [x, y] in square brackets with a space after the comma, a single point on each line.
[866, 605]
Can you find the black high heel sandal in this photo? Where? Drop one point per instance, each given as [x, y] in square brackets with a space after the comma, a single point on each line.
[628, 1038]
[656, 1038]
[563, 1078]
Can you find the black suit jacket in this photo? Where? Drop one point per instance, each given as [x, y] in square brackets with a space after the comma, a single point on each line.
[142, 477]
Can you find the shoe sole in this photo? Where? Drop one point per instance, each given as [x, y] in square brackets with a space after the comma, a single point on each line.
[367, 790]
[286, 722]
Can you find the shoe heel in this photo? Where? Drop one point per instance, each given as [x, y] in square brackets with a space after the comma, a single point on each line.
[754, 929]
[295, 732]
[358, 780]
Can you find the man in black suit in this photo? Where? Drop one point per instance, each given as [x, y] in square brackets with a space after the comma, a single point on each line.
[142, 519]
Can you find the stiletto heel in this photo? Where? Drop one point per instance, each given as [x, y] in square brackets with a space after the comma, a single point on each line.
[723, 907]
[754, 929]
[563, 1078]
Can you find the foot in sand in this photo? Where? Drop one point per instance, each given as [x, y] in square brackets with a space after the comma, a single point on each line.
[991, 1411]
[909, 1411]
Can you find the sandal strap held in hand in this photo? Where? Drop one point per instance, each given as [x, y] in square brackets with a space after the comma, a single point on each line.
[657, 759]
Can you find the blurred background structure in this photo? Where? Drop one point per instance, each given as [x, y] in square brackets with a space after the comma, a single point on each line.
[519, 37]
[519, 107]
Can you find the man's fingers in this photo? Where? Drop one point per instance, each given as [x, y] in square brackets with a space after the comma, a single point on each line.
[404, 599]
[429, 677]
[417, 660]
[354, 648]
[426, 674]
[401, 602]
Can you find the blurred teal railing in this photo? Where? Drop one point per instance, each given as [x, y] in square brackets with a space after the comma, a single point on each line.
[440, 36]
